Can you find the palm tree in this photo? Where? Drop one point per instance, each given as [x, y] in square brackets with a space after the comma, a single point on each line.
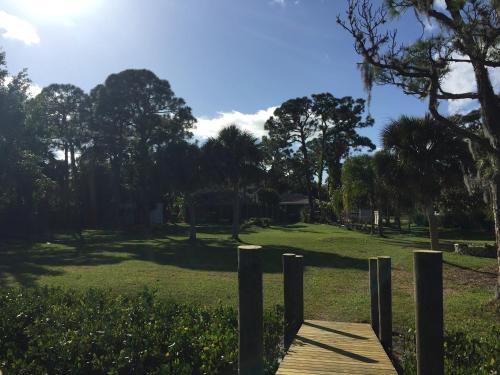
[234, 159]
[430, 155]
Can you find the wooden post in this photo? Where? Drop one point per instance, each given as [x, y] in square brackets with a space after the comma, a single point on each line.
[428, 267]
[300, 290]
[372, 266]
[250, 311]
[290, 298]
[384, 302]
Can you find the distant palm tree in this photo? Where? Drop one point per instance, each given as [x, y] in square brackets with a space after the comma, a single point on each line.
[234, 159]
[430, 155]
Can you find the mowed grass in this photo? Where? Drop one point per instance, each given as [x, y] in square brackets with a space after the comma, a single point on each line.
[335, 280]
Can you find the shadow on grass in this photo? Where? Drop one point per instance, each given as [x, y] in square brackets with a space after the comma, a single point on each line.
[423, 245]
[25, 263]
[295, 228]
[494, 274]
[455, 234]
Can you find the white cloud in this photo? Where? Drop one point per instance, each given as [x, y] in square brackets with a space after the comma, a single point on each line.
[279, 2]
[12, 27]
[461, 79]
[251, 122]
[440, 4]
[429, 24]
[33, 89]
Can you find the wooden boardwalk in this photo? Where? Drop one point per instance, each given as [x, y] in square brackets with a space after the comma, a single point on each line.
[322, 348]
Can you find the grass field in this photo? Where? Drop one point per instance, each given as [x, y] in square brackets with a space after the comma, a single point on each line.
[336, 274]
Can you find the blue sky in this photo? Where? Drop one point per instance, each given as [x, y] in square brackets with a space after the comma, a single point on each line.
[232, 60]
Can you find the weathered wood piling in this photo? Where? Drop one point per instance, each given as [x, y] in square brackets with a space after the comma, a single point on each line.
[384, 302]
[428, 270]
[250, 311]
[293, 284]
[373, 287]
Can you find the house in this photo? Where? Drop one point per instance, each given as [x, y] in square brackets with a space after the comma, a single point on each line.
[361, 215]
[291, 205]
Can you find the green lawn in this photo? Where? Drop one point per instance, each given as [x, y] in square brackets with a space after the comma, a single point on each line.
[336, 274]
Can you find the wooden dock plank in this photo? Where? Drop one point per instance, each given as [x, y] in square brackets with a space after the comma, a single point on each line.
[322, 348]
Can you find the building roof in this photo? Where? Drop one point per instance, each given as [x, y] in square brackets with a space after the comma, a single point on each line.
[293, 199]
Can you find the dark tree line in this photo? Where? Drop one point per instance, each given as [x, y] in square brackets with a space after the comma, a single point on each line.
[72, 160]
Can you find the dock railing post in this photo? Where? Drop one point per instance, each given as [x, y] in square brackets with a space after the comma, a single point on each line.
[372, 266]
[250, 311]
[299, 259]
[428, 269]
[290, 298]
[384, 302]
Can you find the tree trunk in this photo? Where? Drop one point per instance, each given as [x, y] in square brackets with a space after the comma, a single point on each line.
[308, 176]
[372, 224]
[380, 224]
[192, 220]
[73, 163]
[236, 211]
[320, 177]
[397, 218]
[143, 183]
[116, 191]
[66, 165]
[75, 192]
[92, 193]
[321, 166]
[495, 201]
[397, 222]
[66, 185]
[433, 228]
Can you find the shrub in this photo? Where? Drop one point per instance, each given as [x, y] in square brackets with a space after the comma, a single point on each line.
[465, 353]
[262, 222]
[326, 211]
[58, 332]
[304, 214]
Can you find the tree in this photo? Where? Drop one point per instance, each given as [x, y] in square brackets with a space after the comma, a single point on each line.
[180, 167]
[233, 158]
[468, 33]
[276, 158]
[135, 114]
[358, 184]
[338, 120]
[294, 125]
[270, 200]
[388, 177]
[430, 156]
[63, 110]
[24, 188]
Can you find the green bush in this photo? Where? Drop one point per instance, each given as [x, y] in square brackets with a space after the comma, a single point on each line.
[465, 352]
[263, 222]
[304, 214]
[60, 332]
